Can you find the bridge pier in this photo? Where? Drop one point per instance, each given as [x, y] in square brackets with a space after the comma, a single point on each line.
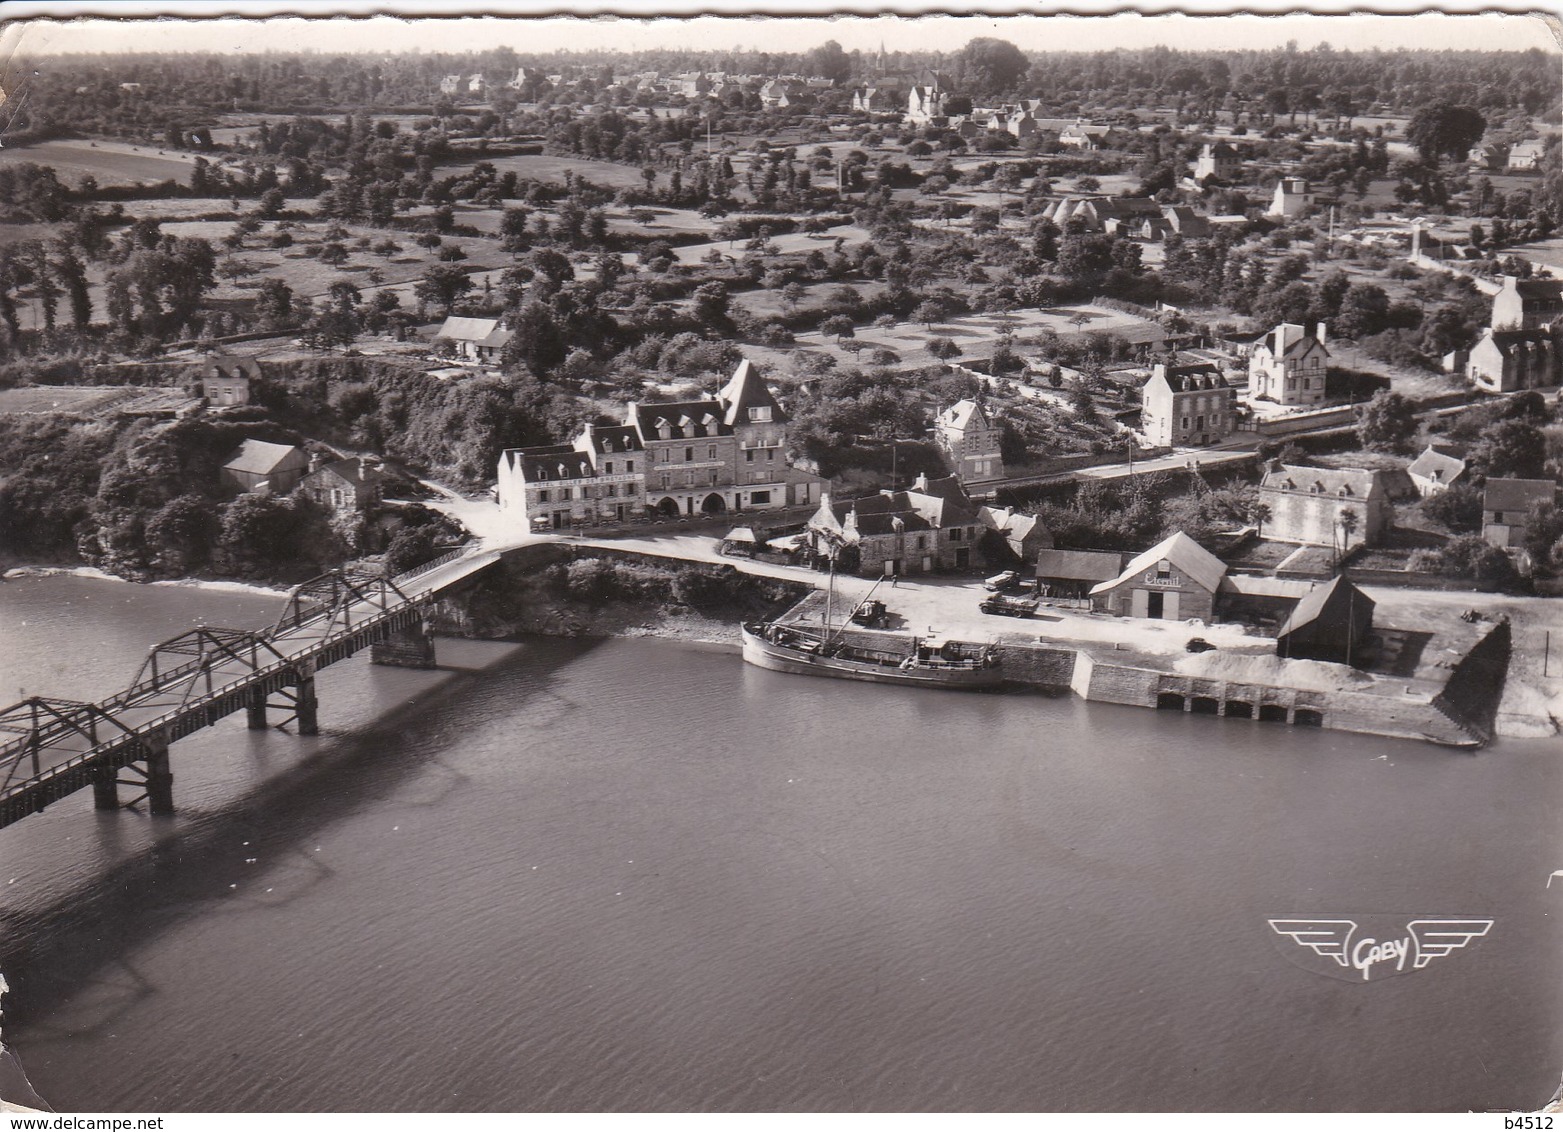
[255, 711]
[407, 648]
[306, 707]
[160, 776]
[105, 788]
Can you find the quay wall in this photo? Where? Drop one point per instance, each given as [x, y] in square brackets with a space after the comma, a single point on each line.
[528, 594]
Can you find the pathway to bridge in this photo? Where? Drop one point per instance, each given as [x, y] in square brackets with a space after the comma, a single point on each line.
[50, 748]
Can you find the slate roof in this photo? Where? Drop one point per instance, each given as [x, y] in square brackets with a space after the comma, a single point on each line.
[963, 415]
[462, 329]
[1194, 378]
[355, 470]
[260, 457]
[746, 390]
[612, 438]
[1330, 602]
[705, 418]
[1079, 565]
[550, 462]
[1438, 465]
[1517, 494]
[1358, 483]
[1184, 554]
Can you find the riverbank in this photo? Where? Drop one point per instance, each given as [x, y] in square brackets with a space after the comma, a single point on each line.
[576, 588]
[212, 585]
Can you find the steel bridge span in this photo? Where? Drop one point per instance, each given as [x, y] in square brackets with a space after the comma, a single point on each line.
[50, 748]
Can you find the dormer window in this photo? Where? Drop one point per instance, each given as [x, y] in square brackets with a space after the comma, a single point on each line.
[542, 473]
[759, 412]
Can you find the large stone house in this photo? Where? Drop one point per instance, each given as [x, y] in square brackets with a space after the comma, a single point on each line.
[1182, 405]
[1527, 304]
[1311, 505]
[1289, 365]
[724, 454]
[1506, 507]
[1174, 580]
[475, 339]
[260, 466]
[969, 441]
[1503, 361]
[932, 526]
[600, 478]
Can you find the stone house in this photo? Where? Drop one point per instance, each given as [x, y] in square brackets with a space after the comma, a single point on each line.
[1438, 466]
[1503, 361]
[1527, 304]
[476, 339]
[932, 526]
[1183, 405]
[723, 454]
[260, 466]
[969, 441]
[1082, 136]
[1307, 505]
[347, 487]
[1174, 580]
[875, 100]
[1506, 507]
[1292, 199]
[225, 379]
[1289, 365]
[1525, 156]
[1023, 535]
[1217, 161]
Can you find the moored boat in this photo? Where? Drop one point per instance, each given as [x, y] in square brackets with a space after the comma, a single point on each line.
[933, 662]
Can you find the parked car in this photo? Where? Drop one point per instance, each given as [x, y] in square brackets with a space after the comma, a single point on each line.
[1001, 581]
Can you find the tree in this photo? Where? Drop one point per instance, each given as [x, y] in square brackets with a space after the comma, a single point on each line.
[988, 67]
[829, 61]
[838, 326]
[1442, 129]
[1511, 448]
[1387, 423]
[928, 312]
[710, 304]
[1259, 514]
[1349, 522]
[943, 348]
[444, 284]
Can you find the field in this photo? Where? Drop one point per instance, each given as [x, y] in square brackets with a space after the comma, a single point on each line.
[546, 167]
[112, 163]
[975, 334]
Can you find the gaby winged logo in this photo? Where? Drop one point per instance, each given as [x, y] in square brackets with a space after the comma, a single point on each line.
[1345, 949]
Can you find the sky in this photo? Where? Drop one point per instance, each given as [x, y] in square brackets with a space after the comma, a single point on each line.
[1480, 30]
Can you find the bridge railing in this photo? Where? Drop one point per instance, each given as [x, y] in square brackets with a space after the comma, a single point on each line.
[435, 564]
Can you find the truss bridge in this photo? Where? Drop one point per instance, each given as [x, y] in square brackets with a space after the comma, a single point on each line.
[50, 748]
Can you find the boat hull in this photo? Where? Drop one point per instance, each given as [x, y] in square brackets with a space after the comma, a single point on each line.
[764, 654]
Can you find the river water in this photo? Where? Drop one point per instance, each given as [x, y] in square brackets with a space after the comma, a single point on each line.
[639, 875]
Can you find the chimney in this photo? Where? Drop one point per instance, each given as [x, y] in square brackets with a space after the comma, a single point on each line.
[921, 482]
[1319, 333]
[317, 460]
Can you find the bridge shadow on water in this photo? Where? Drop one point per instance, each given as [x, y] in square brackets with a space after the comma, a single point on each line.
[65, 959]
